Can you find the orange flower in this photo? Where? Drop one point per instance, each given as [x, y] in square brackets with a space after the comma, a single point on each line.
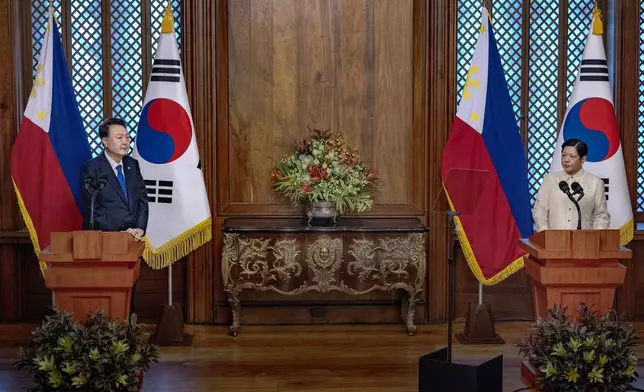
[306, 188]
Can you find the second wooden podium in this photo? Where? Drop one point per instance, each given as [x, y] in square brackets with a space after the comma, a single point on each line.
[90, 269]
[573, 266]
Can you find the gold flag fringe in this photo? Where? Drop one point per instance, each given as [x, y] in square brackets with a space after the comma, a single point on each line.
[468, 253]
[179, 246]
[30, 226]
[626, 232]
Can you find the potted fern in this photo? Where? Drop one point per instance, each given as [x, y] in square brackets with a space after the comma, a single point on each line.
[97, 355]
[595, 354]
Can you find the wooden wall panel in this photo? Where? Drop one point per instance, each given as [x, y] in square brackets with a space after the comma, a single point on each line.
[258, 72]
[347, 66]
[358, 67]
[510, 299]
[36, 298]
[10, 285]
[200, 59]
[627, 51]
[8, 117]
[441, 57]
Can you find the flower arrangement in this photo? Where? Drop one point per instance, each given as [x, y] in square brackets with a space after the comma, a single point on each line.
[325, 169]
[595, 355]
[97, 355]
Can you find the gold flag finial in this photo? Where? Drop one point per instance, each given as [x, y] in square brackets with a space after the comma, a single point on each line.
[598, 25]
[168, 20]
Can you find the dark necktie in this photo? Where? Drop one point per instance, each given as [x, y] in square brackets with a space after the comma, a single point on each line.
[121, 178]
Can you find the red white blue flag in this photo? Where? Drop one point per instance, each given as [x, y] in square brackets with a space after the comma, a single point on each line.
[50, 148]
[485, 139]
[590, 117]
[167, 151]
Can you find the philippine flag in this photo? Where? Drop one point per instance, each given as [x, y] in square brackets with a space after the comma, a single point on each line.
[50, 148]
[166, 148]
[590, 117]
[484, 146]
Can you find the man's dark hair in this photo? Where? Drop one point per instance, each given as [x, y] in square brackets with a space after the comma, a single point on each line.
[581, 147]
[104, 128]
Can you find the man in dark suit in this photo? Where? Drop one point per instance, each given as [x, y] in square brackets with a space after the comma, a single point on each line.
[121, 203]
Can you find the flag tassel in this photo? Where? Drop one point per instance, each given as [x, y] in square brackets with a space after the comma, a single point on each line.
[598, 25]
[180, 246]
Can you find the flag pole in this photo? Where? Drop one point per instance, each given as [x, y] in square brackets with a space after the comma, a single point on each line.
[480, 293]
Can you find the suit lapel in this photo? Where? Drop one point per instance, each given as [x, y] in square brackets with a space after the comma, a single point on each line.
[111, 178]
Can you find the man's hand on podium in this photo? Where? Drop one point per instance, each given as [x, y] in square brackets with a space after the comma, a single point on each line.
[136, 233]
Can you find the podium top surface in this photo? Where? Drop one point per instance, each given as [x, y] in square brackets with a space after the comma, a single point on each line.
[77, 246]
[576, 244]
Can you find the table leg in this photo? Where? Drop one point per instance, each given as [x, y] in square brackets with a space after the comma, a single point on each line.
[408, 311]
[235, 306]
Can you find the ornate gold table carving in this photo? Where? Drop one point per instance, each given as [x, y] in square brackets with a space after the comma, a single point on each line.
[355, 257]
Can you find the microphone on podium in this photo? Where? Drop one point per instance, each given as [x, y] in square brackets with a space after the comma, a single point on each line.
[577, 190]
[563, 185]
[101, 184]
[89, 184]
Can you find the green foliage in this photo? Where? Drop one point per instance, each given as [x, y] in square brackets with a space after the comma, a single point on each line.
[98, 355]
[595, 355]
[324, 168]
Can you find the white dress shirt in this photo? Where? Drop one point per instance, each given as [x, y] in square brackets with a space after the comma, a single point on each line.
[553, 210]
[114, 164]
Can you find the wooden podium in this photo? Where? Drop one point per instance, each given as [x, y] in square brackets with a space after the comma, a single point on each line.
[573, 266]
[90, 269]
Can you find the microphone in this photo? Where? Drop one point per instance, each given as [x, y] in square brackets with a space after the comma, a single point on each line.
[89, 184]
[563, 185]
[101, 184]
[577, 190]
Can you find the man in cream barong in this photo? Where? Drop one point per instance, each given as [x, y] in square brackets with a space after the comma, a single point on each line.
[553, 209]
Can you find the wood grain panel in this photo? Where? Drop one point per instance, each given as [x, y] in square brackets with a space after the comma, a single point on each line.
[151, 291]
[199, 60]
[315, 69]
[441, 58]
[338, 65]
[510, 299]
[36, 297]
[630, 297]
[10, 272]
[257, 73]
[393, 136]
[627, 52]
[10, 284]
[8, 118]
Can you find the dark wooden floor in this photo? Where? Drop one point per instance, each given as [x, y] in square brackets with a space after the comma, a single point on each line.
[298, 358]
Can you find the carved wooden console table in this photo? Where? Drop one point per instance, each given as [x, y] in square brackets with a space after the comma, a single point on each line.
[355, 257]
